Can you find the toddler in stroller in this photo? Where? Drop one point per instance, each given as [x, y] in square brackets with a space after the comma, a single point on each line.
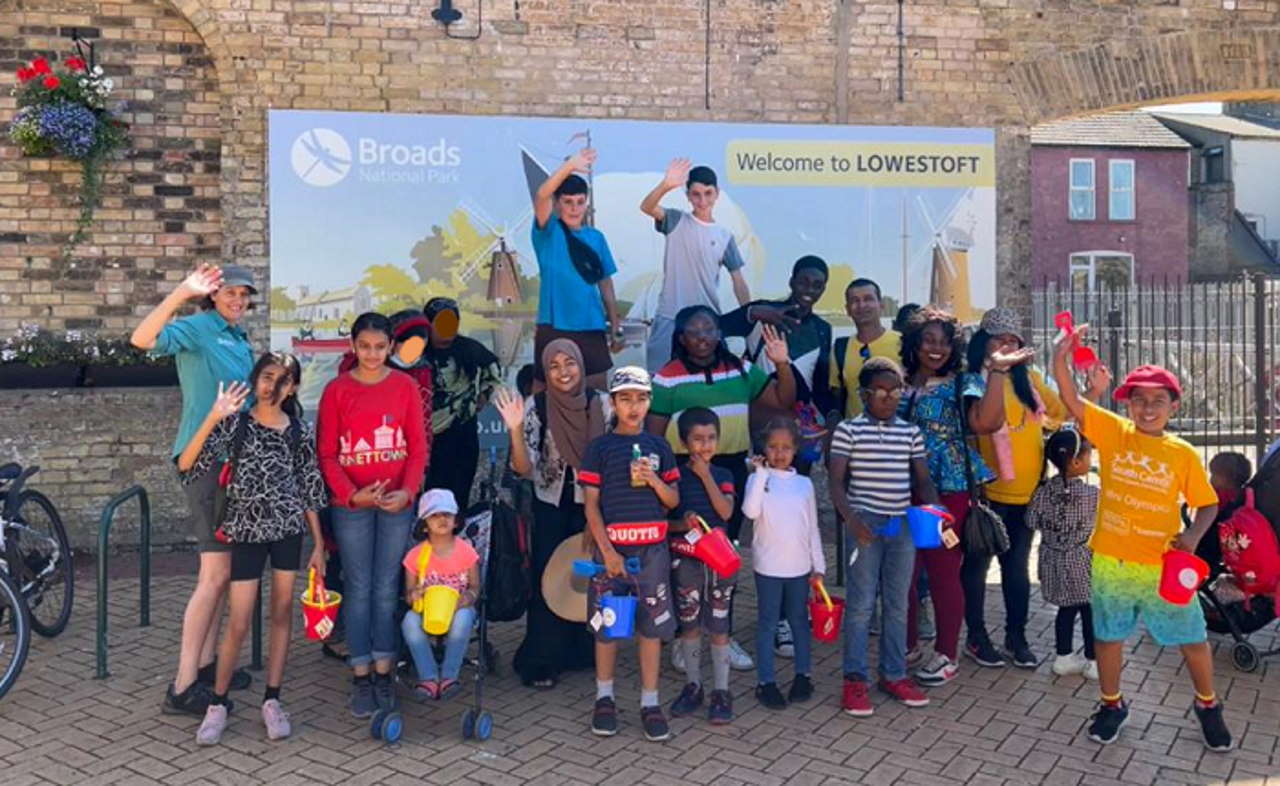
[1244, 559]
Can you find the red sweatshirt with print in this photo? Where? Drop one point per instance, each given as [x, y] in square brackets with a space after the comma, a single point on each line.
[367, 433]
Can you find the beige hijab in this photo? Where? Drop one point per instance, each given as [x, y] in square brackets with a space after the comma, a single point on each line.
[571, 419]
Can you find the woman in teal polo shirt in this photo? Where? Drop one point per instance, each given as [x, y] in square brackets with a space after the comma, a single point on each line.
[209, 348]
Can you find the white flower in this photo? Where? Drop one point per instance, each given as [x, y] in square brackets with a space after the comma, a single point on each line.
[7, 355]
[97, 71]
[108, 84]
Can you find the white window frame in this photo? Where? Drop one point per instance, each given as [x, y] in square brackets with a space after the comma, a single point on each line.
[1092, 265]
[1092, 188]
[1112, 189]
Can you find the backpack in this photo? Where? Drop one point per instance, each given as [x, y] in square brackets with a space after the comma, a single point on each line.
[1266, 484]
[508, 574]
[1250, 549]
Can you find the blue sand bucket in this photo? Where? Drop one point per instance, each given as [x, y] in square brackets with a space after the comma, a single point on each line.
[619, 613]
[925, 523]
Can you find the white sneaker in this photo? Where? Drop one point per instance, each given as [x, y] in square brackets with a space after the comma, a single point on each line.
[276, 720]
[739, 660]
[1090, 670]
[938, 671]
[784, 644]
[215, 721]
[1066, 665]
[677, 656]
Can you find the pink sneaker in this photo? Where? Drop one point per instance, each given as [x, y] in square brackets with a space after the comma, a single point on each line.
[215, 722]
[276, 720]
[905, 691]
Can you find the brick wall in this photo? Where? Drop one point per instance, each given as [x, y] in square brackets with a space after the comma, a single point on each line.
[200, 75]
[92, 444]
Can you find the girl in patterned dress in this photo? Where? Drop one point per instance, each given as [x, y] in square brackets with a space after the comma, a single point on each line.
[273, 492]
[1063, 509]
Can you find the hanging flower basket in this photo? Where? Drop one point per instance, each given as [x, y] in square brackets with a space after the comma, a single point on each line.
[62, 111]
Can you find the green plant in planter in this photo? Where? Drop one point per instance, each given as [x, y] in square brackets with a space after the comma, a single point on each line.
[38, 347]
[118, 351]
[62, 111]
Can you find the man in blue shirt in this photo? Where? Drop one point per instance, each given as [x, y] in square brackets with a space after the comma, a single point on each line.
[574, 262]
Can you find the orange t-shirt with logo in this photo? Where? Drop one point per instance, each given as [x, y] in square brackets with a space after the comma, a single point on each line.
[1144, 480]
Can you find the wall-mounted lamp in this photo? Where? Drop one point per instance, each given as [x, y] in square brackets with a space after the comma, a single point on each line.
[447, 15]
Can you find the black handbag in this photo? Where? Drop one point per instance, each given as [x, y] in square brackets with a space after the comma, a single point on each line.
[985, 533]
[584, 258]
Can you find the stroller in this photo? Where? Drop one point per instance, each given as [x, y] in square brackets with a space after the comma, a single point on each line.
[1228, 609]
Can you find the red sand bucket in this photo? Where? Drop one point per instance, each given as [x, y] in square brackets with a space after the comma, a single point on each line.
[1181, 575]
[716, 551]
[825, 612]
[322, 614]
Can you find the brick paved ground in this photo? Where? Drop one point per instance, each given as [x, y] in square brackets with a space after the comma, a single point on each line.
[991, 726]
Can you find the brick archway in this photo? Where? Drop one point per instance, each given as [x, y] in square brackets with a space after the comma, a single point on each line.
[1207, 65]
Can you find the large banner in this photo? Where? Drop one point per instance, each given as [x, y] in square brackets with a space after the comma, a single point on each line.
[384, 211]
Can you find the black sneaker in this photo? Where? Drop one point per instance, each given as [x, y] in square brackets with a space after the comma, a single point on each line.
[604, 718]
[688, 702]
[655, 724]
[801, 689]
[192, 701]
[767, 693]
[1107, 722]
[384, 692]
[984, 654]
[1217, 737]
[720, 709]
[241, 679]
[1022, 655]
[363, 704]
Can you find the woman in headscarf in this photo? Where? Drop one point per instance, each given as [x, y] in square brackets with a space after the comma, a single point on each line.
[463, 374]
[550, 432]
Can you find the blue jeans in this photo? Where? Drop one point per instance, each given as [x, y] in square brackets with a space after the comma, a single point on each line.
[884, 567]
[455, 644]
[372, 543]
[782, 599]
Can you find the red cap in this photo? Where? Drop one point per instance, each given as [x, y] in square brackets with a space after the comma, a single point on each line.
[1149, 377]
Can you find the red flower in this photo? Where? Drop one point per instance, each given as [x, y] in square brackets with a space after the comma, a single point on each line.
[40, 66]
[75, 64]
[52, 82]
[25, 74]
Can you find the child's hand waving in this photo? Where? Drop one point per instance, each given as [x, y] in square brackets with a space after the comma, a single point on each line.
[230, 399]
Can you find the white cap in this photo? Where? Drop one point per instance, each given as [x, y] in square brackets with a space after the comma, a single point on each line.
[437, 501]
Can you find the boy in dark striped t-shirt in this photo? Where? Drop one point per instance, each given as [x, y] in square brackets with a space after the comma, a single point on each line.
[880, 460]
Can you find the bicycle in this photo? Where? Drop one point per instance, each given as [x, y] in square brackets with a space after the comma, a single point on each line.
[35, 551]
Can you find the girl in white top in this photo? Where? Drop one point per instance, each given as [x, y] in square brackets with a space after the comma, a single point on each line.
[786, 552]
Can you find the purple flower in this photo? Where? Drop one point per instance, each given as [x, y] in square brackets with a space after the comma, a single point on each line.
[70, 127]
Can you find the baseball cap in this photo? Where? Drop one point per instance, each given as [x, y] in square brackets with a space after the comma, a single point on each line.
[238, 276]
[1149, 377]
[437, 501]
[630, 378]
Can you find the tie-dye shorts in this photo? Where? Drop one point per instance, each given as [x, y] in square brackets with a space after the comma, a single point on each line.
[1123, 590]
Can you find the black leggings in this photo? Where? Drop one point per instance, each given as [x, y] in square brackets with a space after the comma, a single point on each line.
[1064, 628]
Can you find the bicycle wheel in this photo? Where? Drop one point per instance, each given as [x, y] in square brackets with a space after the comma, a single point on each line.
[41, 563]
[15, 633]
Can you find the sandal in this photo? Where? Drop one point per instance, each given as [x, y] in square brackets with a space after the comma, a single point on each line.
[448, 688]
[427, 690]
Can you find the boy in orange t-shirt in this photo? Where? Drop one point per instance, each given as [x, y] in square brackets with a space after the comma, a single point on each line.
[1146, 474]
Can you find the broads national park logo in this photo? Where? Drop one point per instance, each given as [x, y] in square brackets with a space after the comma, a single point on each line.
[322, 157]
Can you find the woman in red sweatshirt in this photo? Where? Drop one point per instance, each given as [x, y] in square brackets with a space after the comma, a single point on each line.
[373, 454]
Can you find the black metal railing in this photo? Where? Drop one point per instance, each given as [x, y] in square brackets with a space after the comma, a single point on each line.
[1221, 338]
[144, 570]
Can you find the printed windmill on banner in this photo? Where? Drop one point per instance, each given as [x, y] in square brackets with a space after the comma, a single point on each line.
[504, 279]
[949, 246]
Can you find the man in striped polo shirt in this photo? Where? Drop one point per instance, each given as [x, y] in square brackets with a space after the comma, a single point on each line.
[877, 462]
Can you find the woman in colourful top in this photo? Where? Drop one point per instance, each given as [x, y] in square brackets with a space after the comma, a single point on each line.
[209, 348]
[704, 373]
[372, 453]
[464, 374]
[948, 405]
[549, 433]
[451, 562]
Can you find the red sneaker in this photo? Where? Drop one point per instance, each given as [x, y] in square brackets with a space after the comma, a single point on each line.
[906, 692]
[855, 700]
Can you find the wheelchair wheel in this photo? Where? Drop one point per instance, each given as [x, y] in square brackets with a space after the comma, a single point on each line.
[1245, 656]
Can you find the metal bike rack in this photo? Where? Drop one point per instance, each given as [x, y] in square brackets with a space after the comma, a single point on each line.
[144, 571]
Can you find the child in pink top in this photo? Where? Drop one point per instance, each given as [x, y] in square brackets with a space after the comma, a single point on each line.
[452, 563]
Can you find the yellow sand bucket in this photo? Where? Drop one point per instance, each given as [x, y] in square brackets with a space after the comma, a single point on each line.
[438, 604]
[424, 557]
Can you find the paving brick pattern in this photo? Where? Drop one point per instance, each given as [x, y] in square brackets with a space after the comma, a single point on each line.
[991, 726]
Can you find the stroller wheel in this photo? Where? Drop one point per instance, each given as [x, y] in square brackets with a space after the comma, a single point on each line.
[468, 724]
[1245, 656]
[484, 726]
[386, 726]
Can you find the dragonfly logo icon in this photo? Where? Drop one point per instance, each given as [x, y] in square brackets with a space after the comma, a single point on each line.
[321, 157]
